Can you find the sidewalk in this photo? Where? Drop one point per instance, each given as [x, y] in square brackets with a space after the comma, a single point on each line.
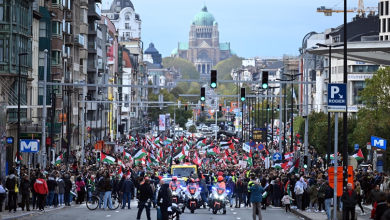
[322, 215]
[20, 214]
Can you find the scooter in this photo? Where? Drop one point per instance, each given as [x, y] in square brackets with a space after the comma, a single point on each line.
[218, 200]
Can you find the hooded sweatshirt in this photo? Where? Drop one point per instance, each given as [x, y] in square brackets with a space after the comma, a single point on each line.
[40, 186]
[300, 186]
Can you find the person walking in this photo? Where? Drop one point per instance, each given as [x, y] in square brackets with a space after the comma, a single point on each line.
[230, 185]
[381, 206]
[204, 192]
[126, 190]
[51, 185]
[238, 192]
[349, 199]
[145, 197]
[277, 192]
[3, 195]
[25, 187]
[313, 192]
[12, 184]
[286, 201]
[256, 199]
[321, 193]
[61, 191]
[359, 193]
[374, 195]
[107, 188]
[328, 199]
[164, 199]
[41, 190]
[245, 192]
[300, 187]
[80, 190]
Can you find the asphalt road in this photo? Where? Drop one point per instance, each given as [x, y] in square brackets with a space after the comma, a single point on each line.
[80, 212]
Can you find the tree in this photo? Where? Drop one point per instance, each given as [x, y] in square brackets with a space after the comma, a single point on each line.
[219, 114]
[202, 118]
[187, 69]
[192, 129]
[225, 67]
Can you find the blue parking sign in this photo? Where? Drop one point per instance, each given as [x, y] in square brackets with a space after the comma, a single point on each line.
[337, 97]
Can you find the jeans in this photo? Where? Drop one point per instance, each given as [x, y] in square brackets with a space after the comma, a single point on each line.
[299, 201]
[107, 200]
[276, 202]
[101, 198]
[89, 195]
[204, 197]
[70, 198]
[50, 198]
[126, 196]
[327, 207]
[12, 200]
[231, 199]
[55, 199]
[60, 198]
[141, 206]
[244, 199]
[67, 198]
[34, 200]
[238, 199]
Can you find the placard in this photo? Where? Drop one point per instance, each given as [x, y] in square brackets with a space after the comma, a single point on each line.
[242, 163]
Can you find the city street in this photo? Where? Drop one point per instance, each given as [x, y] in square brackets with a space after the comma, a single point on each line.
[82, 213]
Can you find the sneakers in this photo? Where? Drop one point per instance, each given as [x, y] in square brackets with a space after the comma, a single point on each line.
[322, 211]
[308, 210]
[298, 210]
[363, 213]
[316, 211]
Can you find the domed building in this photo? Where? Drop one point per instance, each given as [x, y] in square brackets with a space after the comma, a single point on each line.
[128, 23]
[156, 56]
[203, 49]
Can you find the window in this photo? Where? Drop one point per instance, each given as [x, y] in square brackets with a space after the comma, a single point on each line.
[56, 28]
[42, 29]
[41, 58]
[127, 34]
[1, 50]
[56, 89]
[127, 17]
[1, 10]
[56, 2]
[384, 26]
[357, 87]
[381, 8]
[56, 58]
[387, 7]
[127, 26]
[365, 68]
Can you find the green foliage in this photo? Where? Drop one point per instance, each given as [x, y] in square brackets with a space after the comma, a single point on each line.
[192, 129]
[202, 118]
[225, 67]
[187, 69]
[219, 114]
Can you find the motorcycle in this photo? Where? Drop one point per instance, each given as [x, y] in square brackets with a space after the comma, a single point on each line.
[176, 194]
[218, 199]
[193, 199]
[174, 212]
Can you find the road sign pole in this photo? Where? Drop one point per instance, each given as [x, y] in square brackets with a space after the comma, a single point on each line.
[336, 121]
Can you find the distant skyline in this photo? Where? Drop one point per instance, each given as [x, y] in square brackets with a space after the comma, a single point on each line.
[253, 28]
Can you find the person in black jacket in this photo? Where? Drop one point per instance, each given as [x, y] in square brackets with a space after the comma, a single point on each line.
[51, 185]
[25, 187]
[328, 198]
[145, 197]
[164, 199]
[12, 182]
[386, 215]
[120, 185]
[68, 187]
[381, 206]
[349, 199]
[238, 191]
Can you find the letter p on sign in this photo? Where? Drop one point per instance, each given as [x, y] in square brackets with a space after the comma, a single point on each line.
[334, 90]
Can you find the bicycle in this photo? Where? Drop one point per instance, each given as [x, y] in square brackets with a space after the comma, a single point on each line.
[96, 202]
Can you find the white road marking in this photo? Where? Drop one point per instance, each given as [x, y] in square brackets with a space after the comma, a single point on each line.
[232, 209]
[108, 216]
[234, 213]
[238, 218]
[116, 211]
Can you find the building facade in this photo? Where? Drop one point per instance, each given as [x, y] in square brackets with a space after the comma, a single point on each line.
[203, 49]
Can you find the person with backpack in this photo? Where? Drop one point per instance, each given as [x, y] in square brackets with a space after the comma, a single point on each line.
[12, 184]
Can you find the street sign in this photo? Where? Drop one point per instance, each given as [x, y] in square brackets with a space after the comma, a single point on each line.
[88, 128]
[29, 146]
[259, 134]
[356, 146]
[340, 178]
[378, 142]
[260, 146]
[10, 140]
[277, 156]
[337, 97]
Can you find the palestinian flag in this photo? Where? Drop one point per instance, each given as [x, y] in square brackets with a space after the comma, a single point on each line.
[281, 165]
[140, 153]
[196, 160]
[295, 167]
[59, 159]
[126, 155]
[181, 155]
[169, 158]
[358, 155]
[105, 158]
[152, 158]
[140, 161]
[120, 172]
[331, 156]
[236, 139]
[148, 164]
[168, 140]
[156, 141]
[214, 151]
[248, 159]
[120, 162]
[201, 142]
[16, 157]
[131, 138]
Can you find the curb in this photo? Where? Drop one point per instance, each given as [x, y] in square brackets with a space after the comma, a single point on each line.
[302, 216]
[33, 214]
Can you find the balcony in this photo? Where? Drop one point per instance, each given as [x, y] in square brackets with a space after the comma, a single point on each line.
[68, 28]
[92, 65]
[84, 3]
[83, 53]
[108, 43]
[83, 69]
[83, 28]
[94, 12]
[92, 47]
[92, 28]
[94, 124]
[69, 40]
[68, 16]
[79, 40]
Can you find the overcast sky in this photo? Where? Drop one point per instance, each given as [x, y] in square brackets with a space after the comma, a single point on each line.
[253, 27]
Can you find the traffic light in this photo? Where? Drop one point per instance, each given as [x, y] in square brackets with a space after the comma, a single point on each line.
[267, 107]
[185, 107]
[242, 94]
[213, 82]
[298, 107]
[220, 107]
[278, 107]
[202, 94]
[202, 107]
[305, 162]
[265, 80]
[233, 118]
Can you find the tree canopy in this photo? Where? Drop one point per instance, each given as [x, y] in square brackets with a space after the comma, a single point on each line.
[187, 69]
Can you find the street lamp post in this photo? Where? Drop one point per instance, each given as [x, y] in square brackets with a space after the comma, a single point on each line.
[328, 150]
[19, 91]
[272, 108]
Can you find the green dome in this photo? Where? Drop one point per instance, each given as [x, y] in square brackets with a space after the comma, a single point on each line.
[174, 51]
[215, 23]
[232, 52]
[204, 18]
